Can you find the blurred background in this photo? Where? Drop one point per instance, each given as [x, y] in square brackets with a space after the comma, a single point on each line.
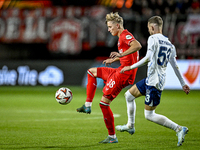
[54, 42]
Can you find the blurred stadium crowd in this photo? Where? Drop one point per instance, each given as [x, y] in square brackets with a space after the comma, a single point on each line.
[164, 7]
[143, 7]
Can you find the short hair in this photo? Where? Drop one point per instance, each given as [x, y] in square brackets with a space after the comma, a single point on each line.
[114, 17]
[157, 20]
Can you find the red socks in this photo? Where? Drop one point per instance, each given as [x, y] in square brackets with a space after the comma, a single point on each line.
[91, 86]
[108, 117]
[105, 107]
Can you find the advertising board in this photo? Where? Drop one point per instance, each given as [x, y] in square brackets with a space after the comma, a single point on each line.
[190, 70]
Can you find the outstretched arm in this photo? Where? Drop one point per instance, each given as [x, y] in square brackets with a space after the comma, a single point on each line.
[174, 65]
[140, 63]
[109, 61]
[134, 47]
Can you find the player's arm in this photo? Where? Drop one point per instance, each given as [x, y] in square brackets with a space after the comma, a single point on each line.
[134, 47]
[174, 65]
[140, 63]
[110, 61]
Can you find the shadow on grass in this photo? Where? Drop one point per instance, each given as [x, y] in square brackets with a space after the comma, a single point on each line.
[94, 146]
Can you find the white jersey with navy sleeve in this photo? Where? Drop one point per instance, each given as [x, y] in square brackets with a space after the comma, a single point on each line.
[162, 51]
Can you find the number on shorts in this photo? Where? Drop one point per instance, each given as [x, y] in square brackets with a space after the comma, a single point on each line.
[147, 98]
[111, 83]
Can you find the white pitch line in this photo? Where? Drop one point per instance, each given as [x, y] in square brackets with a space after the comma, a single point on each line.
[61, 119]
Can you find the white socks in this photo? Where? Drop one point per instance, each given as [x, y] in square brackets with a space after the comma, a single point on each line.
[161, 120]
[149, 115]
[131, 108]
[88, 104]
[113, 136]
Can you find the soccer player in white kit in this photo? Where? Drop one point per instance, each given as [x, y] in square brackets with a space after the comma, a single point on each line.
[160, 51]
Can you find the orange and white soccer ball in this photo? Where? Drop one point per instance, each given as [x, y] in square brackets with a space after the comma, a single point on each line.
[64, 95]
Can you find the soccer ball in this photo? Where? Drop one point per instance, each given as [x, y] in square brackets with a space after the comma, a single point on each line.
[63, 96]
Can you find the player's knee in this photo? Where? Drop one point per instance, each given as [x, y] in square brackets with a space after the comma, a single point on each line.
[149, 114]
[92, 72]
[129, 97]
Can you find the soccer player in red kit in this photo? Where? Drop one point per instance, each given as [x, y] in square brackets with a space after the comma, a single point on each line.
[128, 48]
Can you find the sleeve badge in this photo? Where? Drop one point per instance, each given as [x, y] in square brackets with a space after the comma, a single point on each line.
[128, 37]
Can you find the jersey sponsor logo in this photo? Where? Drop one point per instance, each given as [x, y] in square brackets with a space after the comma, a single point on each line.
[121, 51]
[128, 37]
[192, 73]
[118, 44]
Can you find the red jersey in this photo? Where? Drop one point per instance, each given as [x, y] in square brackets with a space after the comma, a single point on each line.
[124, 44]
[114, 80]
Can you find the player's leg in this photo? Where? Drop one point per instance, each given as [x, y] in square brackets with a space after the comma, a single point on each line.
[90, 90]
[91, 86]
[160, 119]
[109, 120]
[130, 96]
[151, 101]
[100, 72]
[164, 121]
[111, 89]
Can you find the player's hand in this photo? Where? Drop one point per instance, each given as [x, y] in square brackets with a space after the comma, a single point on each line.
[126, 68]
[108, 61]
[186, 89]
[114, 55]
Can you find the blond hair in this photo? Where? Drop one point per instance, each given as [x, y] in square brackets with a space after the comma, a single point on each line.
[156, 20]
[114, 17]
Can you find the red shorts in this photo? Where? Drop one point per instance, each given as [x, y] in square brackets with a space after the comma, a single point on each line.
[114, 81]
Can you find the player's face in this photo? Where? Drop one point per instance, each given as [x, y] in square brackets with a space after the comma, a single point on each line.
[150, 28]
[112, 28]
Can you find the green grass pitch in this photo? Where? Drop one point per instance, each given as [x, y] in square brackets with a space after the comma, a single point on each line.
[30, 118]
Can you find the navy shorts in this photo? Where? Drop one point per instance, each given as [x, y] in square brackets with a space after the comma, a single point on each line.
[152, 95]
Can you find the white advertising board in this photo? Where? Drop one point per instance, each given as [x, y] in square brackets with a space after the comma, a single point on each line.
[190, 70]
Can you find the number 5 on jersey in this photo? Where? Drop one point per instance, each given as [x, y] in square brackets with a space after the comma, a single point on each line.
[163, 56]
